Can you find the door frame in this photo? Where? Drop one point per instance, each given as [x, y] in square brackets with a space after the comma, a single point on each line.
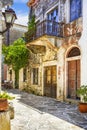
[52, 88]
[66, 67]
[45, 64]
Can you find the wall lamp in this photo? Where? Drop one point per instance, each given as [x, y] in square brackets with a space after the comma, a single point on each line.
[10, 17]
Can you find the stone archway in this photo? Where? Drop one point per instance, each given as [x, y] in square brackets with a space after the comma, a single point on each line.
[73, 72]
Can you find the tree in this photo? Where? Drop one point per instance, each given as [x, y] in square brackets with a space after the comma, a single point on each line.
[16, 55]
[31, 29]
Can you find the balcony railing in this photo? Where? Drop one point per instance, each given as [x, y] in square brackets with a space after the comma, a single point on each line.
[48, 27]
[52, 28]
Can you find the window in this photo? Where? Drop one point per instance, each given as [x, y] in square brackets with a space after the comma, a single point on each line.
[24, 74]
[35, 75]
[52, 18]
[53, 15]
[74, 52]
[75, 9]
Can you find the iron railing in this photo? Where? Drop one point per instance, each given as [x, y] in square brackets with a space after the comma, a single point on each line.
[49, 28]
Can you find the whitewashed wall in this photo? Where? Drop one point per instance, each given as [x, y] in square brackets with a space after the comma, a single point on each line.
[83, 45]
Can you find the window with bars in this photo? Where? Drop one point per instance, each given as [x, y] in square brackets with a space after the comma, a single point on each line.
[35, 76]
[75, 9]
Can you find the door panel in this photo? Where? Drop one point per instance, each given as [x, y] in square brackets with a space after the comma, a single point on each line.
[50, 81]
[73, 78]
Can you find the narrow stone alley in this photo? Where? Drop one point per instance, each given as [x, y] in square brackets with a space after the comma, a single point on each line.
[42, 113]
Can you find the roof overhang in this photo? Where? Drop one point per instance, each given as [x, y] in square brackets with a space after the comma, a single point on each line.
[30, 2]
[41, 44]
[37, 47]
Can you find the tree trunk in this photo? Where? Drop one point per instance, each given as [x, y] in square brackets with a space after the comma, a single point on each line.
[16, 78]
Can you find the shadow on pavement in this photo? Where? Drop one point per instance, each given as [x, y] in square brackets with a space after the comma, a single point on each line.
[66, 111]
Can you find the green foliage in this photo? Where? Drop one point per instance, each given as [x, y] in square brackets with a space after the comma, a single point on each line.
[16, 54]
[82, 92]
[5, 95]
[31, 29]
[31, 23]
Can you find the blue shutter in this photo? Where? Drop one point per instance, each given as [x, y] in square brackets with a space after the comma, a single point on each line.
[72, 9]
[75, 9]
[79, 8]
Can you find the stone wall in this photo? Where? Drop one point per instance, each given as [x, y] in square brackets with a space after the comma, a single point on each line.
[73, 27]
[83, 45]
[5, 121]
[39, 60]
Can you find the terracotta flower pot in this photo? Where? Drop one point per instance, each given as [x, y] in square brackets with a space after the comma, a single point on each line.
[83, 107]
[4, 104]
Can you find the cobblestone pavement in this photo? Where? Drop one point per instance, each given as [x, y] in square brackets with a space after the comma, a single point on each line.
[42, 113]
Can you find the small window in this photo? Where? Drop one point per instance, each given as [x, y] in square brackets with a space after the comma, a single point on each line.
[35, 75]
[24, 74]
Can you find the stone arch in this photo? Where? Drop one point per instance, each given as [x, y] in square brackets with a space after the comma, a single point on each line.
[73, 51]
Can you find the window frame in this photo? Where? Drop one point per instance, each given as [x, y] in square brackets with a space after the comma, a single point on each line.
[51, 16]
[35, 76]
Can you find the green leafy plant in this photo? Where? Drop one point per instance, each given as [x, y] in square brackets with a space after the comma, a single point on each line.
[82, 92]
[16, 55]
[5, 95]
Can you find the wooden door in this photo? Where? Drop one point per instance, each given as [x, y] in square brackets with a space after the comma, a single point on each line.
[73, 78]
[50, 81]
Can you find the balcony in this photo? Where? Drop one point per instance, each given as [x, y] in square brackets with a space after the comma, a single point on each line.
[48, 27]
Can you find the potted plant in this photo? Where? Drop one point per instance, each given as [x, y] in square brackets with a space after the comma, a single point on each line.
[4, 97]
[82, 93]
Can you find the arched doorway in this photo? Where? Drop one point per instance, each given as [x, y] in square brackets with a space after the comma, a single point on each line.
[73, 65]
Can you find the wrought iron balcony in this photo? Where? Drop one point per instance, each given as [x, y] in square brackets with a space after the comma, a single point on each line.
[49, 27]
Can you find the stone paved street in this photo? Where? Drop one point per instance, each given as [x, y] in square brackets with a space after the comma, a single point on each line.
[43, 113]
